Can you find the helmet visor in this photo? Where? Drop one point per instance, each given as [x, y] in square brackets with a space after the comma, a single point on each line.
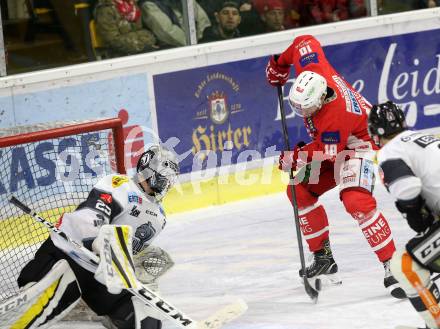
[302, 111]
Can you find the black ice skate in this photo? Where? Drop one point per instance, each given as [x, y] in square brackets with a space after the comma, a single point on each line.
[323, 266]
[391, 283]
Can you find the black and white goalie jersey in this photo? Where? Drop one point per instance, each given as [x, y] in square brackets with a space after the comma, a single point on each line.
[115, 200]
[411, 165]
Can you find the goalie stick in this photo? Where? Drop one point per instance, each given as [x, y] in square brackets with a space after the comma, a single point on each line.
[148, 297]
[312, 292]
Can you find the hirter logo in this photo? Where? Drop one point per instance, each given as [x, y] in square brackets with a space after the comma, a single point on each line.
[107, 198]
[300, 90]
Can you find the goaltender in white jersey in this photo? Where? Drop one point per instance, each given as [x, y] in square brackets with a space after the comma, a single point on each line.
[410, 169]
[60, 273]
[116, 200]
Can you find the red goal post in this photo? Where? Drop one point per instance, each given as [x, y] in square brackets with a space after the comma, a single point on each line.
[52, 170]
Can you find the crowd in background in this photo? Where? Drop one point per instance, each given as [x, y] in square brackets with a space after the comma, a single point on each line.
[130, 26]
[127, 27]
[134, 26]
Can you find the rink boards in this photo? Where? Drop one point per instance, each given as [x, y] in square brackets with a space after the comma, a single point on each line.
[212, 105]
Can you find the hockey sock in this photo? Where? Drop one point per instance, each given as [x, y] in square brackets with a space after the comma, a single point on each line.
[378, 234]
[314, 226]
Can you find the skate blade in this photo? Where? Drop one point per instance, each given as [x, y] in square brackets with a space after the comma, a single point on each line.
[330, 279]
[409, 327]
[324, 280]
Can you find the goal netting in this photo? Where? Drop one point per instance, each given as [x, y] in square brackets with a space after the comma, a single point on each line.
[51, 170]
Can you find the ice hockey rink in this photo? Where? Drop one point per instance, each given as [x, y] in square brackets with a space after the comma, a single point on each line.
[248, 249]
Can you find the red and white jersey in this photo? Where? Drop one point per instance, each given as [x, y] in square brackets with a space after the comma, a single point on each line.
[341, 123]
[114, 200]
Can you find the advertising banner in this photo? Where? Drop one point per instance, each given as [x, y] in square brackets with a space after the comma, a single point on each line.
[231, 111]
[123, 96]
[43, 164]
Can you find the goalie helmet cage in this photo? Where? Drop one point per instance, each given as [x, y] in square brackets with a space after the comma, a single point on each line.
[53, 171]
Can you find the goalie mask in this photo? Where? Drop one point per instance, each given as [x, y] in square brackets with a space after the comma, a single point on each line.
[159, 168]
[308, 93]
[385, 120]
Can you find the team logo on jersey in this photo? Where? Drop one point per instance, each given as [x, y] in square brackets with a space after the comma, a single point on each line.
[330, 137]
[107, 198]
[308, 59]
[134, 198]
[143, 234]
[118, 181]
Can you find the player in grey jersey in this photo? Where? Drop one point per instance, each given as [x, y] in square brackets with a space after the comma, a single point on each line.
[114, 200]
[409, 164]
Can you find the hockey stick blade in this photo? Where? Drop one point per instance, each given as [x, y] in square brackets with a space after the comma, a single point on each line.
[408, 327]
[313, 293]
[226, 314]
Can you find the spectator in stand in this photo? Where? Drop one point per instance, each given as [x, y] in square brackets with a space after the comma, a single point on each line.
[227, 19]
[165, 19]
[325, 11]
[119, 24]
[251, 23]
[273, 13]
[427, 4]
[357, 9]
[294, 11]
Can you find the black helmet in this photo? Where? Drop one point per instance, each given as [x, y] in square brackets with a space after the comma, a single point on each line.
[386, 119]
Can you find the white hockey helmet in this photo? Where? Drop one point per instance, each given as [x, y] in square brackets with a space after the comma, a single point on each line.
[308, 93]
[159, 167]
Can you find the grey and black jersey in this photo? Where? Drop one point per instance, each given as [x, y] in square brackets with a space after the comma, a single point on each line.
[411, 166]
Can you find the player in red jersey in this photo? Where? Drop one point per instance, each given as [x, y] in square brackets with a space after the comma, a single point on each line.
[335, 116]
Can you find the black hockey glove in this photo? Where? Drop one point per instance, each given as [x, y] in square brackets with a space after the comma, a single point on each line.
[416, 212]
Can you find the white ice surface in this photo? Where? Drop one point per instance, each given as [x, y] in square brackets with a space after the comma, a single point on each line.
[248, 249]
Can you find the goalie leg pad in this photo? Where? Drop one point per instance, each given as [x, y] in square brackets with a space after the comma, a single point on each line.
[43, 303]
[422, 292]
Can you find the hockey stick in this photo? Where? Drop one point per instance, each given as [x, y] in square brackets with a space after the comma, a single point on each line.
[148, 297]
[313, 293]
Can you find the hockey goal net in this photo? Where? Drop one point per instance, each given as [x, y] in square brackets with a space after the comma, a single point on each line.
[51, 170]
